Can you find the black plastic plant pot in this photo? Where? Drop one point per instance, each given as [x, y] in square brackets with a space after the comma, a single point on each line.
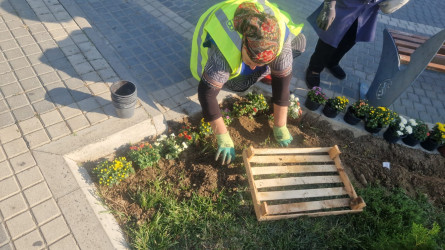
[311, 105]
[441, 150]
[124, 98]
[372, 130]
[350, 118]
[391, 136]
[329, 111]
[429, 144]
[124, 112]
[410, 140]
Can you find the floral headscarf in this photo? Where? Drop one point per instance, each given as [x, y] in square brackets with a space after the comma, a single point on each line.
[261, 33]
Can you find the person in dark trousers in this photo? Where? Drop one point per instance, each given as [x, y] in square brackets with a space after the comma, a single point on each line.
[339, 25]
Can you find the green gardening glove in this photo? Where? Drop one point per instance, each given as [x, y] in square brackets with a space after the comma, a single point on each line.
[282, 135]
[225, 148]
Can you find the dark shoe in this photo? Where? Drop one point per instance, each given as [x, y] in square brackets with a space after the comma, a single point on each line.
[312, 79]
[338, 72]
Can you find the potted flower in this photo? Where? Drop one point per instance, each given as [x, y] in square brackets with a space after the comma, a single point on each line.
[294, 109]
[315, 98]
[397, 129]
[356, 112]
[419, 132]
[435, 137]
[335, 105]
[378, 118]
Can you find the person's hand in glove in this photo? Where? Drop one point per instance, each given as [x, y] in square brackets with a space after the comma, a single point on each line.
[390, 6]
[327, 15]
[282, 135]
[225, 148]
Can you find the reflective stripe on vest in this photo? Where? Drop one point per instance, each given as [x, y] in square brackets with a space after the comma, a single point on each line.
[233, 35]
[199, 43]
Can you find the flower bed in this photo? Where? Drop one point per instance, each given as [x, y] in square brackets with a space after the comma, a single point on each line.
[193, 202]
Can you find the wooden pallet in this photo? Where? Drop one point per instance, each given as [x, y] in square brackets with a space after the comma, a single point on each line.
[292, 182]
[406, 45]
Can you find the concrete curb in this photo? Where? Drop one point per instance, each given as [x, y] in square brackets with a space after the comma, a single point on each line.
[75, 193]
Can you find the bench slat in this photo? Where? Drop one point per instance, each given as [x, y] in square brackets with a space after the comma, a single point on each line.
[406, 45]
[407, 34]
[431, 66]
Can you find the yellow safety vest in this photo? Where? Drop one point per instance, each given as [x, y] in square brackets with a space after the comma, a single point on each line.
[218, 23]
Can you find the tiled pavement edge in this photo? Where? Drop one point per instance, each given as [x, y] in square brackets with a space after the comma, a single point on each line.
[57, 60]
[55, 111]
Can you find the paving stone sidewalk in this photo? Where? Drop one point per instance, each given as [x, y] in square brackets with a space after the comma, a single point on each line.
[57, 61]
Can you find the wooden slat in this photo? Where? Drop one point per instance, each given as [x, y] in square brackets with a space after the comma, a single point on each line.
[406, 44]
[295, 169]
[253, 190]
[431, 66]
[409, 50]
[316, 214]
[436, 67]
[412, 38]
[414, 46]
[293, 181]
[307, 206]
[298, 194]
[357, 203]
[334, 152]
[408, 38]
[405, 51]
[348, 186]
[275, 151]
[289, 158]
[438, 59]
[264, 208]
[407, 34]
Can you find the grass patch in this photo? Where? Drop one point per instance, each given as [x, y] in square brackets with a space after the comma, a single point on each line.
[391, 220]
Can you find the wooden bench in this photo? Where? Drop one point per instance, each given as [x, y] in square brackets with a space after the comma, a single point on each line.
[407, 43]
